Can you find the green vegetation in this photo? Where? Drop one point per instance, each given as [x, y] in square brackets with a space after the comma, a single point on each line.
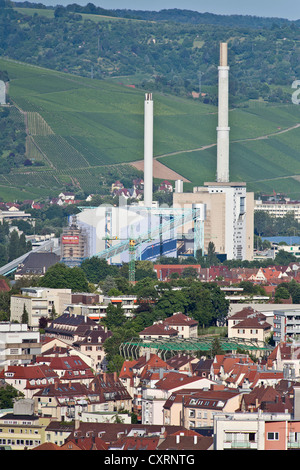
[82, 130]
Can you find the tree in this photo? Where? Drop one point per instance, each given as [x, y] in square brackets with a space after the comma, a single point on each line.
[108, 284]
[8, 394]
[60, 276]
[199, 305]
[281, 293]
[114, 316]
[171, 302]
[211, 255]
[53, 313]
[216, 348]
[24, 318]
[97, 269]
[145, 290]
[283, 258]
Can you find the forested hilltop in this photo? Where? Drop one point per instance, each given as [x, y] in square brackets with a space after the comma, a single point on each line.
[174, 51]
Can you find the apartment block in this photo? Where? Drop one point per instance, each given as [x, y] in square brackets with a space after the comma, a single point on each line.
[38, 302]
[286, 325]
[18, 345]
[256, 431]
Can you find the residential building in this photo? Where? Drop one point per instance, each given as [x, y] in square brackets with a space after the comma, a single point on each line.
[58, 431]
[197, 408]
[133, 373]
[279, 208]
[113, 395]
[256, 431]
[183, 363]
[65, 401]
[286, 325]
[70, 328]
[38, 302]
[164, 271]
[30, 378]
[92, 346]
[267, 399]
[82, 304]
[158, 330]
[249, 324]
[18, 344]
[155, 396]
[286, 356]
[22, 429]
[69, 368]
[36, 264]
[176, 326]
[186, 326]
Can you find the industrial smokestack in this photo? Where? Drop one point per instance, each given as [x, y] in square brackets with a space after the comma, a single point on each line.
[148, 150]
[223, 129]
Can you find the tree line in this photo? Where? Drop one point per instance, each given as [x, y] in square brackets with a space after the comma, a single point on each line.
[167, 55]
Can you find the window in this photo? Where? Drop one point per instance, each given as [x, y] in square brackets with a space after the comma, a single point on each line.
[273, 436]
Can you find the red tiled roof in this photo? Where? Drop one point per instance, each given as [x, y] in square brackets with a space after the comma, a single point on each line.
[175, 379]
[179, 319]
[159, 329]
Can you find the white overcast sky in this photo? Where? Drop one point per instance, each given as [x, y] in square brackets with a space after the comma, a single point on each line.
[289, 9]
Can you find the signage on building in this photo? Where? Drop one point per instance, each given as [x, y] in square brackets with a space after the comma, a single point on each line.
[70, 239]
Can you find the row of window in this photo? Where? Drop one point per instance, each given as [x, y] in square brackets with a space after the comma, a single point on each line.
[20, 442]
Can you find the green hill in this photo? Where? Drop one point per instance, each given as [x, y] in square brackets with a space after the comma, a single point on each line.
[82, 130]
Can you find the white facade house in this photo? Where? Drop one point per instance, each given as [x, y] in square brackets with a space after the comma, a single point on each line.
[240, 431]
[18, 345]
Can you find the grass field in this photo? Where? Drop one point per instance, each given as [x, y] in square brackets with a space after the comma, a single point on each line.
[78, 125]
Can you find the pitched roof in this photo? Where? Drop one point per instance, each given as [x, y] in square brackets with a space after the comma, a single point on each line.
[136, 443]
[47, 446]
[109, 387]
[179, 319]
[194, 443]
[173, 380]
[62, 390]
[86, 443]
[111, 432]
[253, 323]
[37, 263]
[28, 372]
[159, 329]
[178, 361]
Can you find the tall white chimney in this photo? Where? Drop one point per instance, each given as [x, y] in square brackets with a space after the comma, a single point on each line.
[223, 129]
[148, 150]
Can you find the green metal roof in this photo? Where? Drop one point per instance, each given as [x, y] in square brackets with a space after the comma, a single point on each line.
[130, 348]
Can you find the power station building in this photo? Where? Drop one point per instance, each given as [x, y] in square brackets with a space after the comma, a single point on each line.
[229, 208]
[225, 209]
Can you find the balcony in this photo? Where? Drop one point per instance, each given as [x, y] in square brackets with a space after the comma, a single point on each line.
[240, 445]
[293, 445]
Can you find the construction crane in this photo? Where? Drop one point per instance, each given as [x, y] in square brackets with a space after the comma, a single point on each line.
[132, 245]
[177, 217]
